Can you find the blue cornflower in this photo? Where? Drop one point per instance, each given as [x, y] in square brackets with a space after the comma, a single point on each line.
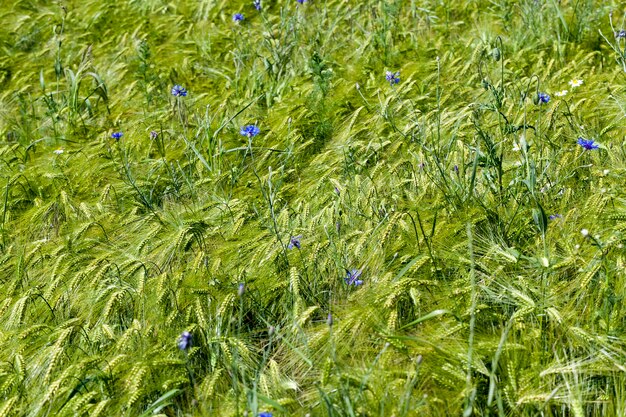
[257, 4]
[265, 414]
[352, 277]
[555, 216]
[179, 91]
[237, 17]
[620, 34]
[543, 97]
[588, 144]
[250, 131]
[184, 341]
[117, 135]
[301, 1]
[392, 77]
[241, 289]
[294, 242]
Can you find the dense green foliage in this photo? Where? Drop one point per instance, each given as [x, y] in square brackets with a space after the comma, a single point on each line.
[490, 243]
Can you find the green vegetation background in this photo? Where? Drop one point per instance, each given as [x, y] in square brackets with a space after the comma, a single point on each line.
[440, 189]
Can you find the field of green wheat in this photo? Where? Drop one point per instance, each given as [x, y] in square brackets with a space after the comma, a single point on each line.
[313, 208]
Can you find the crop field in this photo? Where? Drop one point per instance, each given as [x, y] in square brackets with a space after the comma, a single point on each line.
[313, 208]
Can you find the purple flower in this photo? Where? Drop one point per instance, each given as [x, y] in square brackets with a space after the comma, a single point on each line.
[543, 98]
[555, 216]
[241, 289]
[294, 242]
[265, 414]
[179, 91]
[117, 135]
[237, 17]
[392, 77]
[352, 277]
[250, 131]
[184, 341]
[154, 134]
[257, 4]
[588, 144]
[620, 34]
[301, 1]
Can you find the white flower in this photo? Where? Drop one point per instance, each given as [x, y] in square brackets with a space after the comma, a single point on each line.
[522, 142]
[585, 232]
[606, 172]
[576, 82]
[516, 147]
[561, 93]
[58, 151]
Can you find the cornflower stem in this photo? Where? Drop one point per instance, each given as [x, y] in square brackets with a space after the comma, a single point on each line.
[369, 373]
[426, 238]
[470, 391]
[268, 195]
[190, 145]
[255, 384]
[190, 373]
[236, 354]
[494, 364]
[438, 95]
[4, 211]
